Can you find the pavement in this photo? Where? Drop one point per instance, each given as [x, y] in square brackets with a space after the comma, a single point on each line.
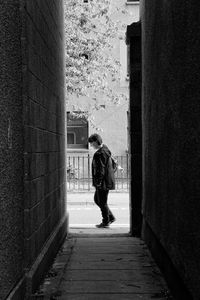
[87, 198]
[102, 264]
[84, 213]
[103, 268]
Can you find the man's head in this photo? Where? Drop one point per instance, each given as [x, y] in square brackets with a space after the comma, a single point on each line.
[95, 140]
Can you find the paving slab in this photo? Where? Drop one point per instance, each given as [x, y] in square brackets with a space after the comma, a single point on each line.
[104, 268]
[113, 297]
[88, 231]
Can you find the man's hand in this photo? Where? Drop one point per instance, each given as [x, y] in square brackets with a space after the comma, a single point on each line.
[120, 169]
[98, 186]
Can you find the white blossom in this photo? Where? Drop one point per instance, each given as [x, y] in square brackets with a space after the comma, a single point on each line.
[90, 65]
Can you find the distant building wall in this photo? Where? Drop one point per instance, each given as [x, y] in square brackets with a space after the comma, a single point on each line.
[171, 110]
[112, 121]
[32, 153]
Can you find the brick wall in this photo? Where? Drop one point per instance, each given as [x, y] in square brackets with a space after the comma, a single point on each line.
[44, 123]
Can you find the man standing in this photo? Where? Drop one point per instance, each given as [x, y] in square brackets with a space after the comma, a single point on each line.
[103, 178]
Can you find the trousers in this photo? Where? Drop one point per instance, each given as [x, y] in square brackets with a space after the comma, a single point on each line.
[101, 198]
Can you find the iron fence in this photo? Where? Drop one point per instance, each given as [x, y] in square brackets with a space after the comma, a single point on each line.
[79, 177]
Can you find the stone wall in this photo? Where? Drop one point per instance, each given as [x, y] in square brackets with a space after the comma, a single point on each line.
[171, 110]
[32, 152]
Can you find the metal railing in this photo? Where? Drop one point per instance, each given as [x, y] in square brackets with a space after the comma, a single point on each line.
[79, 177]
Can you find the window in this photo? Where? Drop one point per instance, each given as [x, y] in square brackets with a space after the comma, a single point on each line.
[131, 1]
[85, 55]
[77, 131]
[71, 138]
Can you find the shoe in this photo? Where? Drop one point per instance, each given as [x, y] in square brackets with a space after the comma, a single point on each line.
[112, 220]
[102, 225]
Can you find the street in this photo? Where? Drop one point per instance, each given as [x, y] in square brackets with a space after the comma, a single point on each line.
[83, 213]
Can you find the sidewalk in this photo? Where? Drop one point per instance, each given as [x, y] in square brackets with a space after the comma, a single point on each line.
[87, 198]
[84, 213]
[103, 267]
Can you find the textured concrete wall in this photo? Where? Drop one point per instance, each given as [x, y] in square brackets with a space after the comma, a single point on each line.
[44, 118]
[32, 144]
[11, 148]
[171, 110]
[133, 39]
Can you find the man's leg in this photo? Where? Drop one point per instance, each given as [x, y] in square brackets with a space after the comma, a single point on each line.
[103, 195]
[111, 216]
[96, 198]
[107, 215]
[100, 198]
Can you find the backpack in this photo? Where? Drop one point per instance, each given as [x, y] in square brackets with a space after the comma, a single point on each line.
[109, 180]
[114, 163]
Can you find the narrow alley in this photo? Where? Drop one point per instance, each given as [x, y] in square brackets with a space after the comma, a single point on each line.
[102, 266]
[158, 77]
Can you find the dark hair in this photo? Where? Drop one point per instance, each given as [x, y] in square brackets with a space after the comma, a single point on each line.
[95, 138]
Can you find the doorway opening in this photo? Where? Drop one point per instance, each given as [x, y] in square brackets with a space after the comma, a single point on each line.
[112, 121]
[84, 214]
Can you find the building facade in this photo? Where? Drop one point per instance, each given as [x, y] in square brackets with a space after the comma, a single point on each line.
[111, 120]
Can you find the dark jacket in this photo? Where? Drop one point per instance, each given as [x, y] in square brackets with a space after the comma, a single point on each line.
[102, 170]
